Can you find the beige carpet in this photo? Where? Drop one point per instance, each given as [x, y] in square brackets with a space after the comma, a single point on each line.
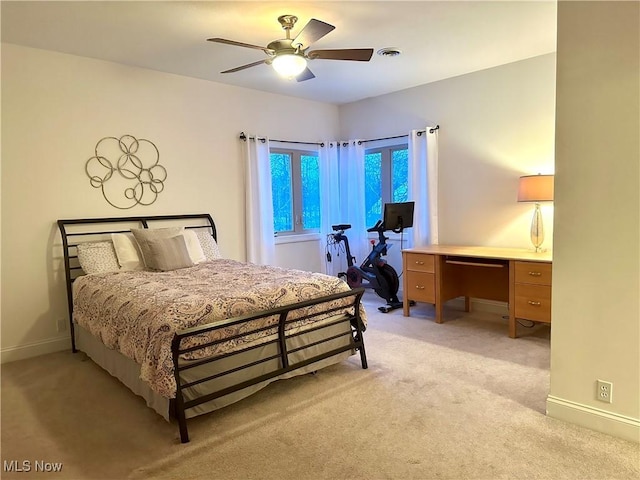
[454, 401]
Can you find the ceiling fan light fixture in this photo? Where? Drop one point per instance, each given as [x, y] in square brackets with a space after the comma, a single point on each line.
[289, 65]
[289, 56]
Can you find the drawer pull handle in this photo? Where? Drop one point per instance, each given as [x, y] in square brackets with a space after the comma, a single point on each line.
[535, 304]
[535, 274]
[420, 287]
[419, 262]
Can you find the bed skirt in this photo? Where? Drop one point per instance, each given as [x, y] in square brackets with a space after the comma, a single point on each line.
[128, 371]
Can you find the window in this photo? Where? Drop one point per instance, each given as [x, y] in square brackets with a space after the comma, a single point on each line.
[295, 185]
[386, 179]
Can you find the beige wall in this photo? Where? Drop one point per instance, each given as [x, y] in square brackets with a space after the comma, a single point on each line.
[55, 107]
[596, 313]
[495, 125]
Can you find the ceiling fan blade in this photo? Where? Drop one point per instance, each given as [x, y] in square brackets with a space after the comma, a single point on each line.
[313, 31]
[356, 54]
[239, 44]
[248, 65]
[305, 75]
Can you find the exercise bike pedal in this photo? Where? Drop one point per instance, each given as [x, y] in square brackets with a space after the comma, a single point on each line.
[393, 306]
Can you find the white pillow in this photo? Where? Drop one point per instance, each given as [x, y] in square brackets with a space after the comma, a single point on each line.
[144, 235]
[208, 244]
[127, 251]
[97, 257]
[193, 246]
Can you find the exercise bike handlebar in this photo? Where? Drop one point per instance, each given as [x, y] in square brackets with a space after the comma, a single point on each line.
[377, 227]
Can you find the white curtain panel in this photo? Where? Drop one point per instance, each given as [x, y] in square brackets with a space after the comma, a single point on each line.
[352, 197]
[259, 202]
[329, 204]
[432, 176]
[423, 186]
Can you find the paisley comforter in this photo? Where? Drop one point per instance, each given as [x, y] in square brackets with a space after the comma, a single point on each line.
[138, 312]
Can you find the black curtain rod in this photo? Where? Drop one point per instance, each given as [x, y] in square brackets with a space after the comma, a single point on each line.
[244, 137]
[420, 132]
[360, 142]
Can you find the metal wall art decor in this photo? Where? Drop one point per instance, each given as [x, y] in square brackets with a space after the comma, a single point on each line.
[127, 171]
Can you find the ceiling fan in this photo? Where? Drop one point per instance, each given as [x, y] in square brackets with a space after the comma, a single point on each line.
[289, 56]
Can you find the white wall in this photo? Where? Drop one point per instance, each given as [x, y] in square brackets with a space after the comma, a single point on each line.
[498, 124]
[495, 125]
[595, 332]
[55, 107]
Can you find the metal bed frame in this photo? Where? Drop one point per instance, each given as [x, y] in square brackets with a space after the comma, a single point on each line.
[77, 229]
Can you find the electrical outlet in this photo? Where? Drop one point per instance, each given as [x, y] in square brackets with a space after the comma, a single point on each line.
[61, 325]
[604, 391]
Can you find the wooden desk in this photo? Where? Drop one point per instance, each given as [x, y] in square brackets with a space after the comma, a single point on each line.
[438, 273]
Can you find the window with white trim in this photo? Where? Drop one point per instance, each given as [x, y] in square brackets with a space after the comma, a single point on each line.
[386, 179]
[295, 185]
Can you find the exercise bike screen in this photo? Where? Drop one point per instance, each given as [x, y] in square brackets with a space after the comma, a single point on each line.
[398, 216]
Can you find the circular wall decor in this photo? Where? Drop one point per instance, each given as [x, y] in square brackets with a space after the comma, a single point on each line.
[127, 170]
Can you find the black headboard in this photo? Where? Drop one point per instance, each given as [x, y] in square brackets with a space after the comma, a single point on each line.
[78, 230]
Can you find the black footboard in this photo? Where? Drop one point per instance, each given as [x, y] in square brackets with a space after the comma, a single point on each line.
[354, 329]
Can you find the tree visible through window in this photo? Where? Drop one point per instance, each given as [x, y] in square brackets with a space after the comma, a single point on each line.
[386, 173]
[295, 185]
[282, 192]
[310, 190]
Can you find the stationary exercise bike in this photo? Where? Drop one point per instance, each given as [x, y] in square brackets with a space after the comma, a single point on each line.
[374, 272]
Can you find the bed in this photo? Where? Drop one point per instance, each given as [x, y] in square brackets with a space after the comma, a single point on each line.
[189, 330]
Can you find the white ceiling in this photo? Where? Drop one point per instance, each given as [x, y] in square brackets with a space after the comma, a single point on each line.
[438, 39]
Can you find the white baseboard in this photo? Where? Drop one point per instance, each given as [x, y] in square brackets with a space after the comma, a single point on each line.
[29, 350]
[593, 418]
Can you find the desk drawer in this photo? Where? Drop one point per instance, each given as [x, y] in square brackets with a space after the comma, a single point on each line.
[535, 273]
[420, 262]
[420, 287]
[533, 302]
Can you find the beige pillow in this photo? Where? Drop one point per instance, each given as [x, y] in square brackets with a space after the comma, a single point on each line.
[168, 253]
[144, 235]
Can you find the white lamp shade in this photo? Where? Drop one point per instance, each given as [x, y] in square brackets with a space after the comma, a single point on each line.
[289, 65]
[535, 188]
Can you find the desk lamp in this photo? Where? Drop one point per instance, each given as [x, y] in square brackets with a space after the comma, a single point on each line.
[536, 188]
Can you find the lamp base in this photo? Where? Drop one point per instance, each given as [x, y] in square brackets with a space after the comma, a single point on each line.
[537, 229]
